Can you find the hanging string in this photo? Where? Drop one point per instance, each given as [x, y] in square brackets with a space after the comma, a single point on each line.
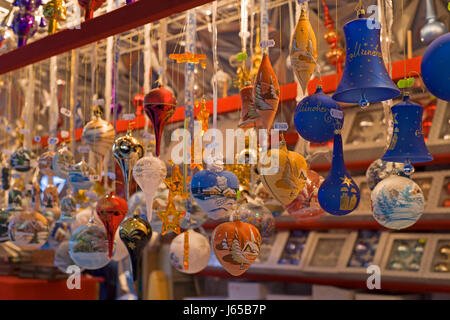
[404, 43]
[129, 76]
[215, 65]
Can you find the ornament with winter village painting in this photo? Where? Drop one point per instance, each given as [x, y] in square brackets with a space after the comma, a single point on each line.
[215, 190]
[236, 245]
[20, 160]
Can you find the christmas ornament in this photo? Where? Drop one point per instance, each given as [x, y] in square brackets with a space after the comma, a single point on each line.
[62, 162]
[317, 116]
[111, 210]
[189, 252]
[283, 173]
[24, 26]
[365, 79]
[397, 202]
[89, 7]
[5, 217]
[335, 55]
[249, 116]
[338, 194]
[159, 105]
[379, 170]
[55, 11]
[407, 142]
[6, 177]
[62, 257]
[149, 172]
[28, 230]
[135, 233]
[68, 209]
[433, 28]
[20, 160]
[59, 232]
[303, 52]
[170, 218]
[127, 150]
[79, 176]
[121, 251]
[45, 163]
[215, 192]
[435, 67]
[259, 216]
[306, 208]
[236, 245]
[266, 92]
[15, 197]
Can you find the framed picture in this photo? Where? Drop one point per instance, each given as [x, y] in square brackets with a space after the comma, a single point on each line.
[438, 262]
[293, 250]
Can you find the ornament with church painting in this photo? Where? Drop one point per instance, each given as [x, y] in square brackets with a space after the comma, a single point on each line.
[28, 230]
[189, 252]
[236, 245]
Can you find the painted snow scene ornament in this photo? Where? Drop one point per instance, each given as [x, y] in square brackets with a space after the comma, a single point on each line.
[236, 245]
[397, 202]
[28, 230]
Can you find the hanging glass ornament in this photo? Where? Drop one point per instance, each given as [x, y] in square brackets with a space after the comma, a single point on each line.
[121, 251]
[380, 169]
[189, 252]
[68, 209]
[88, 246]
[159, 105]
[435, 67]
[28, 230]
[45, 163]
[15, 199]
[317, 116]
[62, 162]
[62, 257]
[433, 28]
[338, 193]
[59, 232]
[55, 11]
[89, 7]
[303, 52]
[79, 176]
[135, 233]
[111, 210]
[397, 202]
[306, 207]
[127, 150]
[236, 245]
[149, 172]
[5, 218]
[20, 160]
[258, 215]
[249, 116]
[365, 79]
[24, 25]
[283, 173]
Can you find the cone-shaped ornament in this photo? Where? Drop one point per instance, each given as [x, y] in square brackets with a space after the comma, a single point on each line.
[266, 92]
[338, 194]
[159, 105]
[303, 52]
[365, 79]
[407, 142]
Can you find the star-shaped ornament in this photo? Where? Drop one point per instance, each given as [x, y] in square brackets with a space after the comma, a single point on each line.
[171, 218]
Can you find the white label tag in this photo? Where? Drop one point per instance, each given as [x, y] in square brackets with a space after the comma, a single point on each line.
[37, 138]
[66, 112]
[98, 102]
[337, 114]
[64, 134]
[267, 44]
[281, 126]
[148, 136]
[53, 140]
[94, 177]
[128, 116]
[83, 149]
[24, 131]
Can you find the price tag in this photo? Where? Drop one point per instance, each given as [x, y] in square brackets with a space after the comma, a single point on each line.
[128, 116]
[37, 138]
[64, 134]
[91, 194]
[16, 175]
[267, 44]
[281, 126]
[66, 112]
[83, 149]
[24, 131]
[111, 175]
[337, 114]
[94, 177]
[53, 140]
[98, 102]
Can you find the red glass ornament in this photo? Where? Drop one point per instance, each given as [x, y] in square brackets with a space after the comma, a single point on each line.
[89, 7]
[138, 102]
[159, 105]
[111, 210]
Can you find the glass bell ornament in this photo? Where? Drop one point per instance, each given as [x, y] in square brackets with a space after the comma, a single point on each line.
[28, 230]
[365, 78]
[159, 105]
[338, 193]
[407, 143]
[306, 207]
[258, 215]
[435, 67]
[88, 246]
[215, 191]
[111, 209]
[189, 252]
[149, 172]
[317, 116]
[127, 150]
[397, 202]
[236, 245]
[135, 233]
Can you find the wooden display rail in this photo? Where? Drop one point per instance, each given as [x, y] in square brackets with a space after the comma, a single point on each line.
[122, 19]
[393, 286]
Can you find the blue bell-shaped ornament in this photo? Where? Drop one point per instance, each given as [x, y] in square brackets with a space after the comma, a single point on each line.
[317, 117]
[407, 142]
[364, 79]
[338, 194]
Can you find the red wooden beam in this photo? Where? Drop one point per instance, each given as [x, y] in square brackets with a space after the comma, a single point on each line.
[120, 20]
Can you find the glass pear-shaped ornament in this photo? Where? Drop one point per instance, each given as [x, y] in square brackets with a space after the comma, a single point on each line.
[28, 230]
[317, 116]
[149, 172]
[135, 233]
[267, 92]
[303, 52]
[189, 252]
[111, 210]
[338, 193]
[159, 105]
[127, 150]
[397, 202]
[88, 246]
